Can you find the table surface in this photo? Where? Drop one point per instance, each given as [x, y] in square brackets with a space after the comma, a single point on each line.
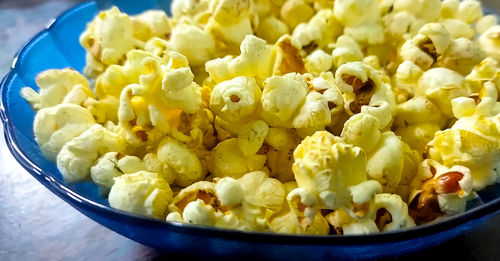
[37, 225]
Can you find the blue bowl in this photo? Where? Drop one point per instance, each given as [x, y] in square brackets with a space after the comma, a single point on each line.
[58, 47]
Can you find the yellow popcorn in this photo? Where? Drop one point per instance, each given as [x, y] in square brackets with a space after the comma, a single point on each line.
[458, 28]
[55, 126]
[245, 203]
[112, 165]
[58, 86]
[391, 213]
[196, 44]
[152, 23]
[318, 62]
[321, 30]
[153, 164]
[326, 166]
[292, 116]
[427, 46]
[191, 9]
[352, 13]
[286, 221]
[439, 190]
[427, 10]
[281, 97]
[365, 91]
[251, 137]
[109, 37]
[449, 8]
[294, 12]
[473, 140]
[362, 130]
[280, 156]
[79, 154]
[271, 29]
[183, 161]
[416, 122]
[489, 42]
[288, 57]
[486, 70]
[256, 60]
[440, 85]
[235, 99]
[402, 25]
[485, 23]
[404, 81]
[346, 50]
[470, 11]
[143, 193]
[313, 114]
[227, 160]
[461, 56]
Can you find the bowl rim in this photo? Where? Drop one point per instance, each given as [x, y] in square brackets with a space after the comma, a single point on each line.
[80, 202]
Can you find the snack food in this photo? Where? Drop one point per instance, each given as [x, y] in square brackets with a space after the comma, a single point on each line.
[244, 115]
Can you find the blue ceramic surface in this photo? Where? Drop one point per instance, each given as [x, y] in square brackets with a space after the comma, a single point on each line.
[58, 47]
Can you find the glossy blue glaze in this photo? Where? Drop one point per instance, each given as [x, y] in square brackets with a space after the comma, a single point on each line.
[58, 47]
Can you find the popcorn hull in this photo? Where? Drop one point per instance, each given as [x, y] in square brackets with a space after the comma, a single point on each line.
[58, 47]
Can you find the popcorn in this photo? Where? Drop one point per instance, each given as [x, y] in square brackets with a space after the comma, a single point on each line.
[184, 162]
[154, 23]
[288, 57]
[55, 126]
[112, 165]
[56, 87]
[285, 221]
[251, 137]
[427, 10]
[320, 168]
[424, 48]
[142, 193]
[267, 138]
[444, 190]
[364, 91]
[391, 213]
[78, 155]
[271, 29]
[440, 85]
[318, 62]
[470, 11]
[346, 50]
[294, 12]
[227, 160]
[352, 13]
[313, 114]
[458, 28]
[231, 21]
[196, 44]
[485, 23]
[488, 41]
[321, 30]
[256, 60]
[109, 37]
[235, 99]
[473, 140]
[245, 203]
[461, 56]
[281, 97]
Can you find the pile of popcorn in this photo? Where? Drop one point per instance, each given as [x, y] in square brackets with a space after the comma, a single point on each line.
[290, 116]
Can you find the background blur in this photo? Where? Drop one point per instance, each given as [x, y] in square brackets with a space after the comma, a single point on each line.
[37, 225]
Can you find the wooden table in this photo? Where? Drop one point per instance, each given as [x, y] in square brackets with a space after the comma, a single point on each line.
[37, 225]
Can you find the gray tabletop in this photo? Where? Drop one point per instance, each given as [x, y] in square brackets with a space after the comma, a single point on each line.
[37, 225]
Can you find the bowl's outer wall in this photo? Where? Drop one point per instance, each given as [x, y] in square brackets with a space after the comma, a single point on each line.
[58, 47]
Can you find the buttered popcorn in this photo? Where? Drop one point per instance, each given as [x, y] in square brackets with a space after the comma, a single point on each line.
[287, 116]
